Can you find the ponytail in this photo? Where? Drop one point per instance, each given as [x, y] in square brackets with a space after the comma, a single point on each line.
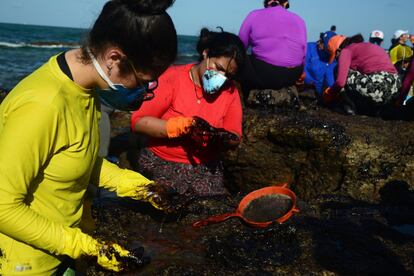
[351, 40]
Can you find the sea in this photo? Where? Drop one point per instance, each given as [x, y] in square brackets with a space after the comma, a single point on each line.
[23, 48]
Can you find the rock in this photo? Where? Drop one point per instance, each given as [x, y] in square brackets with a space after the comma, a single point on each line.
[286, 97]
[352, 174]
[336, 236]
[316, 150]
[320, 152]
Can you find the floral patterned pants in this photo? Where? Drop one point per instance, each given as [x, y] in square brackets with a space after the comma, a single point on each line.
[200, 180]
[373, 90]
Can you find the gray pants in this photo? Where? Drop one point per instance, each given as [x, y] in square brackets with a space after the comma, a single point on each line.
[105, 130]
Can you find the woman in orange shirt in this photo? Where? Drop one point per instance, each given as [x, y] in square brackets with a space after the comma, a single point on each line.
[195, 115]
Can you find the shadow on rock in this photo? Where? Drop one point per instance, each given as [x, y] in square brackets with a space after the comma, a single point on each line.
[350, 249]
[397, 201]
[351, 238]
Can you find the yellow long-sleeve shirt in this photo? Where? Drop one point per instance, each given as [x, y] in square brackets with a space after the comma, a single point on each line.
[49, 141]
[400, 53]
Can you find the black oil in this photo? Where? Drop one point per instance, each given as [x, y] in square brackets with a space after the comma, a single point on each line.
[407, 229]
[268, 208]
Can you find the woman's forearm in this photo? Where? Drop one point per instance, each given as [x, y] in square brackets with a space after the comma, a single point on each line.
[151, 126]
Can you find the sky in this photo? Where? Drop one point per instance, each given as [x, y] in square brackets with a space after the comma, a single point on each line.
[189, 16]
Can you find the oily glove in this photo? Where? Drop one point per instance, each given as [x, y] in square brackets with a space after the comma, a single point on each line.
[179, 126]
[224, 139]
[126, 183]
[205, 135]
[110, 256]
[160, 196]
[202, 132]
[113, 257]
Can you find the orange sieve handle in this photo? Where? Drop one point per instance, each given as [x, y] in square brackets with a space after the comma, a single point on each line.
[215, 219]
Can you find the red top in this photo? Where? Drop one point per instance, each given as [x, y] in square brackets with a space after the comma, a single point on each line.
[408, 81]
[365, 58]
[177, 95]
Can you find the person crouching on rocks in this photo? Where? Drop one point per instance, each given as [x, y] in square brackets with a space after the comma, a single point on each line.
[195, 115]
[367, 81]
[319, 73]
[278, 43]
[406, 86]
[49, 139]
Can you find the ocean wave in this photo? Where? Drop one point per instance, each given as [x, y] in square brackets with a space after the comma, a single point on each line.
[187, 54]
[39, 44]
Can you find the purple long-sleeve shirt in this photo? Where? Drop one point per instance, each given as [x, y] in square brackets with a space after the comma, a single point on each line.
[276, 35]
[366, 58]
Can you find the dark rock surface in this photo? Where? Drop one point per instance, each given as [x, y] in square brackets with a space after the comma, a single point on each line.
[321, 152]
[353, 177]
[316, 150]
[331, 236]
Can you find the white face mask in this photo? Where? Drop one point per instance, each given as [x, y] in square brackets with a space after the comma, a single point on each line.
[213, 81]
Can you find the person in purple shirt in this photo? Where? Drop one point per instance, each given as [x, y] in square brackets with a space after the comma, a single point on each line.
[277, 38]
[367, 81]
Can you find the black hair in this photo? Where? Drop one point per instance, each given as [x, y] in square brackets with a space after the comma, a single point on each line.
[333, 28]
[321, 36]
[274, 4]
[142, 29]
[221, 44]
[394, 42]
[358, 38]
[376, 40]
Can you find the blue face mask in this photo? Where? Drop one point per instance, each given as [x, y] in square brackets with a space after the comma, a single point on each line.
[120, 97]
[213, 81]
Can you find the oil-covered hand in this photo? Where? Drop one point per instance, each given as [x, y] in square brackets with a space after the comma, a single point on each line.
[164, 197]
[225, 139]
[202, 132]
[110, 256]
[113, 257]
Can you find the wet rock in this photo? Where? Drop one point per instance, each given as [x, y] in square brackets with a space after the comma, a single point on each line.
[319, 151]
[352, 174]
[335, 235]
[315, 149]
[285, 97]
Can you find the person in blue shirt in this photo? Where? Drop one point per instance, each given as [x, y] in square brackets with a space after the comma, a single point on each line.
[319, 72]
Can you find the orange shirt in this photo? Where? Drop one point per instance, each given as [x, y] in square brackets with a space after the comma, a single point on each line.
[177, 95]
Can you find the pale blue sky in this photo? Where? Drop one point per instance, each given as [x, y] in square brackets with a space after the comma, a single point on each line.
[350, 17]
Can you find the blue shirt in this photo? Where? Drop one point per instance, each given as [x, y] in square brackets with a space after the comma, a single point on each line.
[317, 68]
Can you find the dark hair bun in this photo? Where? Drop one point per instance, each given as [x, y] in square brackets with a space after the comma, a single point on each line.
[204, 32]
[147, 7]
[204, 37]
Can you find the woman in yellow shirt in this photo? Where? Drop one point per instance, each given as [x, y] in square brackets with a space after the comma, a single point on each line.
[400, 52]
[49, 138]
